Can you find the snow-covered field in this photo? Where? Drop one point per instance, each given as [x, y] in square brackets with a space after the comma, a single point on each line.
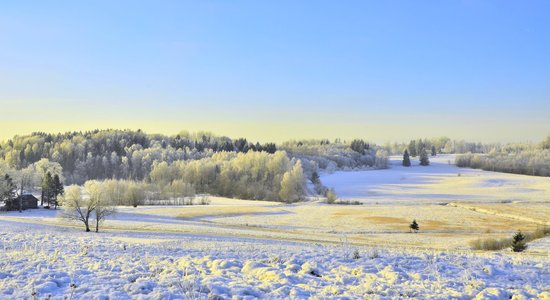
[253, 249]
[39, 261]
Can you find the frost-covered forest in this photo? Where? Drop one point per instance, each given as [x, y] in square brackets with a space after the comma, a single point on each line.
[153, 166]
[527, 159]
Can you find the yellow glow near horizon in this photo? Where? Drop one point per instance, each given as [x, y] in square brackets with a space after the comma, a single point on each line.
[281, 131]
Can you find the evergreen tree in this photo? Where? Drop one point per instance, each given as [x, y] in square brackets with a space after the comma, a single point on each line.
[315, 179]
[518, 242]
[412, 148]
[8, 192]
[359, 146]
[58, 189]
[434, 153]
[406, 159]
[414, 226]
[424, 160]
[47, 188]
[420, 145]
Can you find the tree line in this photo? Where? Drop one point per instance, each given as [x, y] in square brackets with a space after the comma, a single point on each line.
[518, 158]
[527, 162]
[119, 154]
[437, 145]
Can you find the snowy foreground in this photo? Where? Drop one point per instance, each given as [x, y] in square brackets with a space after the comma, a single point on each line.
[68, 263]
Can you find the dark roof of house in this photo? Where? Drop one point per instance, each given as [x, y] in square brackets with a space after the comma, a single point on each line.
[29, 197]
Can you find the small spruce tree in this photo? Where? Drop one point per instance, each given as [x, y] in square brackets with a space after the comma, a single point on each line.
[406, 159]
[518, 242]
[424, 160]
[57, 188]
[47, 191]
[434, 153]
[414, 226]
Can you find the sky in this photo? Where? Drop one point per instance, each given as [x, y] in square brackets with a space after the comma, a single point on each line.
[278, 70]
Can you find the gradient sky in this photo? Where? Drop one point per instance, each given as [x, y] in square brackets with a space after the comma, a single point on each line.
[275, 70]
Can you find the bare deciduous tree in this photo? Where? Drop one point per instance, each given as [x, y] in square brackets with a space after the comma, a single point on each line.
[103, 205]
[76, 206]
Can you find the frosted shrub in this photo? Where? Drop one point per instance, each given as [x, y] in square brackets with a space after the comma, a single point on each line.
[331, 196]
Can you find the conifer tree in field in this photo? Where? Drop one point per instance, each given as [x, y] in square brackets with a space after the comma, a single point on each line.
[518, 242]
[47, 192]
[406, 159]
[434, 153]
[424, 160]
[412, 148]
[414, 226]
[58, 189]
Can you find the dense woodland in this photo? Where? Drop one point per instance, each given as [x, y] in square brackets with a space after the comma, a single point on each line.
[139, 166]
[119, 154]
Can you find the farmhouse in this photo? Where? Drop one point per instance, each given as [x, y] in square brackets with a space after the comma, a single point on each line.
[29, 201]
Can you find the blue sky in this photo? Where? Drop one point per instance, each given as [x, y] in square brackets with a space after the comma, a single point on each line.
[273, 70]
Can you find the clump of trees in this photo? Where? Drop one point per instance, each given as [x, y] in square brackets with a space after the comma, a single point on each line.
[534, 162]
[336, 155]
[43, 174]
[438, 145]
[52, 187]
[250, 175]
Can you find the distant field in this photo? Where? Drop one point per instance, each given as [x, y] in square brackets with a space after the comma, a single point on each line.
[451, 209]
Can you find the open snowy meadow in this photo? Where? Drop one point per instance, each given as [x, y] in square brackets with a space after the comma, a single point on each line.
[256, 249]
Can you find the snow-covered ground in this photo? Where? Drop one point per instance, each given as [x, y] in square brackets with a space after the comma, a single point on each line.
[441, 182]
[255, 249]
[64, 263]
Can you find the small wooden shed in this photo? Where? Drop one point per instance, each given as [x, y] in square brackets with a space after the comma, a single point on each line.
[29, 201]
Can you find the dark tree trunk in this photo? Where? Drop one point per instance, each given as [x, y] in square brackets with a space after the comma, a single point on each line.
[87, 223]
[21, 198]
